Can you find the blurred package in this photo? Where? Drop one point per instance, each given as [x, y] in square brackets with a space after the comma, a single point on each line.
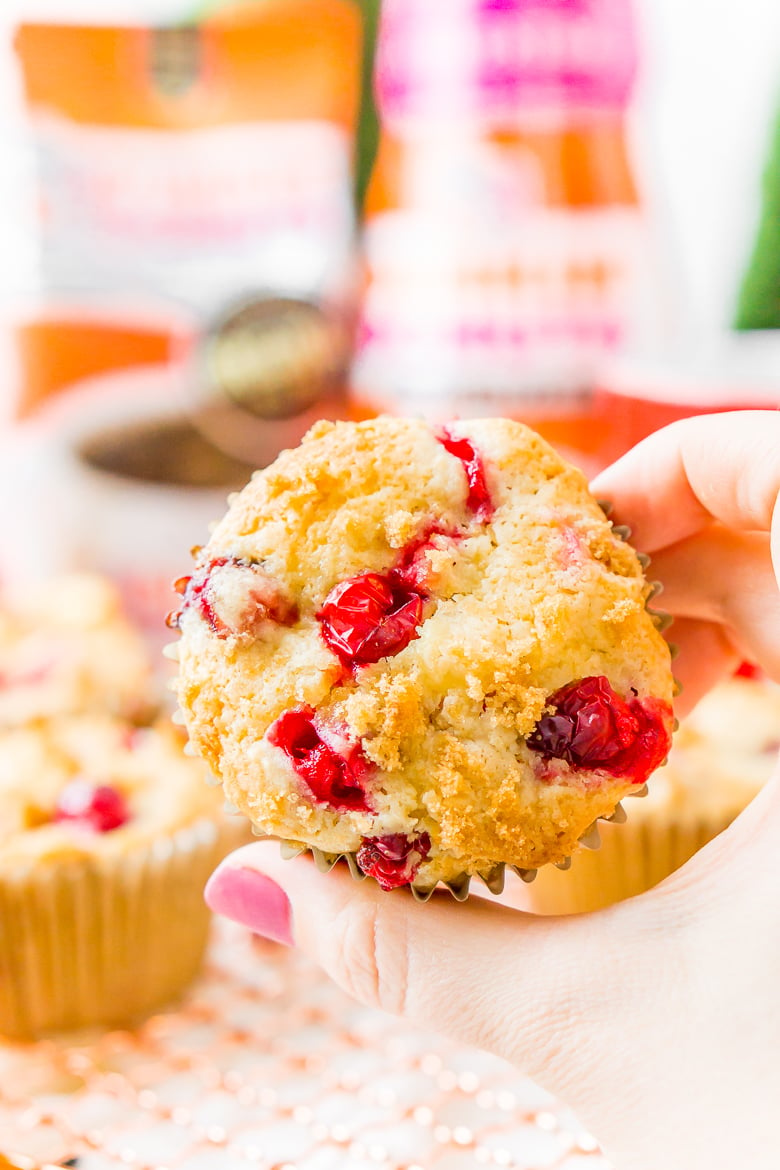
[637, 395]
[184, 166]
[507, 249]
[193, 306]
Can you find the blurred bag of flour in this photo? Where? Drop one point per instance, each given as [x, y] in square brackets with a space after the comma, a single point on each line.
[506, 245]
[185, 158]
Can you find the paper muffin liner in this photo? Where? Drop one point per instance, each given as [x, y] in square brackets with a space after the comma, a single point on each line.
[86, 941]
[632, 860]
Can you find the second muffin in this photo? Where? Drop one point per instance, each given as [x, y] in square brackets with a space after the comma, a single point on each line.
[66, 648]
[107, 837]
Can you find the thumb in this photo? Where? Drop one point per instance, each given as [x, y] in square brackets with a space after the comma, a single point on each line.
[541, 992]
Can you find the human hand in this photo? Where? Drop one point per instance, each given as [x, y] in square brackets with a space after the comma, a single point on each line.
[658, 1020]
[699, 497]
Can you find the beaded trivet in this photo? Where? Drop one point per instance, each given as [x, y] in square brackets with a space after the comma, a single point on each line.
[268, 1066]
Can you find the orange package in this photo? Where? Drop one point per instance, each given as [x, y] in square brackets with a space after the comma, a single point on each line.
[181, 168]
[508, 253]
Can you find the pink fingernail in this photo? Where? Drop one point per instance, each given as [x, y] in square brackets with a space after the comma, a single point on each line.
[251, 898]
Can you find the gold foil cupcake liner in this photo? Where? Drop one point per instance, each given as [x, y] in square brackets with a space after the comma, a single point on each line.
[459, 886]
[104, 941]
[660, 618]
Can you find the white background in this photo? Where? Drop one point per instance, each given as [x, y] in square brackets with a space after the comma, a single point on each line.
[710, 91]
[710, 83]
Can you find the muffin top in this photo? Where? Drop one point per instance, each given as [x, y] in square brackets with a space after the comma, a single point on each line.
[65, 647]
[93, 786]
[434, 637]
[723, 753]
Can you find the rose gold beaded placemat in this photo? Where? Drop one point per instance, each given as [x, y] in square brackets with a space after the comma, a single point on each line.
[267, 1066]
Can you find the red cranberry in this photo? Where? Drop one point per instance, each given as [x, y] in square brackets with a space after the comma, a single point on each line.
[478, 500]
[332, 778]
[370, 616]
[574, 551]
[92, 806]
[413, 569]
[234, 596]
[393, 860]
[749, 670]
[592, 727]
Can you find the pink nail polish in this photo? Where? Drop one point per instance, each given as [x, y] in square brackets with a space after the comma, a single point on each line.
[254, 900]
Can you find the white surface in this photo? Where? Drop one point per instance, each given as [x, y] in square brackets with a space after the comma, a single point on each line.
[710, 88]
[99, 11]
[471, 1109]
[735, 369]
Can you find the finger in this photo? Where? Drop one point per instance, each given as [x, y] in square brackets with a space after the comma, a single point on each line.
[531, 989]
[754, 832]
[724, 467]
[705, 655]
[724, 578]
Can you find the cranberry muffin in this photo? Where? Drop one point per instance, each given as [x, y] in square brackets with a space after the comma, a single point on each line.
[66, 647]
[108, 834]
[426, 650]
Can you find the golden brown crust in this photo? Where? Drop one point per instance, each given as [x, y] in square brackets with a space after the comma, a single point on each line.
[543, 593]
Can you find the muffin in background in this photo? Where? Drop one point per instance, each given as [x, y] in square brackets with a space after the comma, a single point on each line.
[108, 834]
[65, 648]
[723, 753]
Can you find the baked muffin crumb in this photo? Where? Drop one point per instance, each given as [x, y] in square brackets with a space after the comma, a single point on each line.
[466, 663]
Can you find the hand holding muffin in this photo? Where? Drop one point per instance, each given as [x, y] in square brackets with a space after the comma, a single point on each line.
[658, 1018]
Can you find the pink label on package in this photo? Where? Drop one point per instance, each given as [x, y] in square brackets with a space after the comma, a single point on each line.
[198, 214]
[492, 60]
[468, 320]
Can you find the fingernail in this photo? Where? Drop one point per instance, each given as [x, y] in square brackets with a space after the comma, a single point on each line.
[254, 900]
